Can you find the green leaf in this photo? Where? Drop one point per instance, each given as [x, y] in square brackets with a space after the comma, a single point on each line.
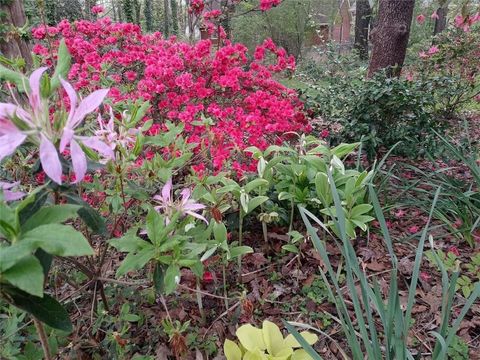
[31, 204]
[14, 77]
[255, 184]
[130, 242]
[89, 215]
[50, 215]
[63, 65]
[170, 282]
[46, 309]
[231, 350]
[57, 239]
[27, 275]
[240, 250]
[136, 261]
[255, 202]
[290, 248]
[360, 210]
[250, 337]
[10, 255]
[219, 232]
[155, 226]
[344, 149]
[159, 278]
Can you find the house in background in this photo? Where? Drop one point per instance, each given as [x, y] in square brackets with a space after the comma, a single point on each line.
[333, 22]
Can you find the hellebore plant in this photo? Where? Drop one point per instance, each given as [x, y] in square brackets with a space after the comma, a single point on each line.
[266, 343]
[33, 122]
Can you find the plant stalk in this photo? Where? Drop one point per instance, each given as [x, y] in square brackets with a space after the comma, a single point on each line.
[43, 338]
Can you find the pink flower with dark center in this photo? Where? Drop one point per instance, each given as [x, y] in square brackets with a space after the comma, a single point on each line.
[420, 19]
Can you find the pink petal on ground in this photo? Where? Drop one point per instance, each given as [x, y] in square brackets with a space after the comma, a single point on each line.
[79, 161]
[50, 160]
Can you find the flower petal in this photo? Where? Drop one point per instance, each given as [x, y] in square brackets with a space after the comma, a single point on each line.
[10, 138]
[10, 195]
[87, 105]
[195, 215]
[72, 95]
[194, 206]
[79, 161]
[185, 195]
[95, 143]
[34, 96]
[67, 137]
[50, 160]
[167, 190]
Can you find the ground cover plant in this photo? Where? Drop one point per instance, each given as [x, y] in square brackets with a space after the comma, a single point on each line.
[173, 198]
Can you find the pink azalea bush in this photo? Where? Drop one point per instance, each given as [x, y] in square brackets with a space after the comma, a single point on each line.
[184, 82]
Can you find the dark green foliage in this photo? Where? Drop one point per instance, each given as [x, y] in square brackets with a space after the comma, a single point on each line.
[381, 110]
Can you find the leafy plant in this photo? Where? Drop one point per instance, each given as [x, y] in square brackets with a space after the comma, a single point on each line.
[395, 321]
[30, 235]
[266, 343]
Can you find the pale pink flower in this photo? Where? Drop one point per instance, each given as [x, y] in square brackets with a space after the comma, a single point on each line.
[185, 205]
[9, 195]
[434, 16]
[75, 117]
[17, 124]
[35, 124]
[121, 137]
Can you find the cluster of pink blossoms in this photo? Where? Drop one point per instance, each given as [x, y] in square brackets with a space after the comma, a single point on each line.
[184, 81]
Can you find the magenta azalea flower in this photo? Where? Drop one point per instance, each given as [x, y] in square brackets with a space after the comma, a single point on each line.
[185, 205]
[17, 124]
[9, 195]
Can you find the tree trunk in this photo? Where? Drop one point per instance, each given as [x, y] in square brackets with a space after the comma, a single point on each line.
[390, 36]
[12, 45]
[147, 11]
[166, 19]
[441, 22]
[137, 7]
[174, 8]
[363, 15]
[128, 10]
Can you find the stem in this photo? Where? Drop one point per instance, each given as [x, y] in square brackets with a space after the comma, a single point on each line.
[240, 240]
[292, 212]
[265, 232]
[224, 276]
[200, 303]
[43, 338]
